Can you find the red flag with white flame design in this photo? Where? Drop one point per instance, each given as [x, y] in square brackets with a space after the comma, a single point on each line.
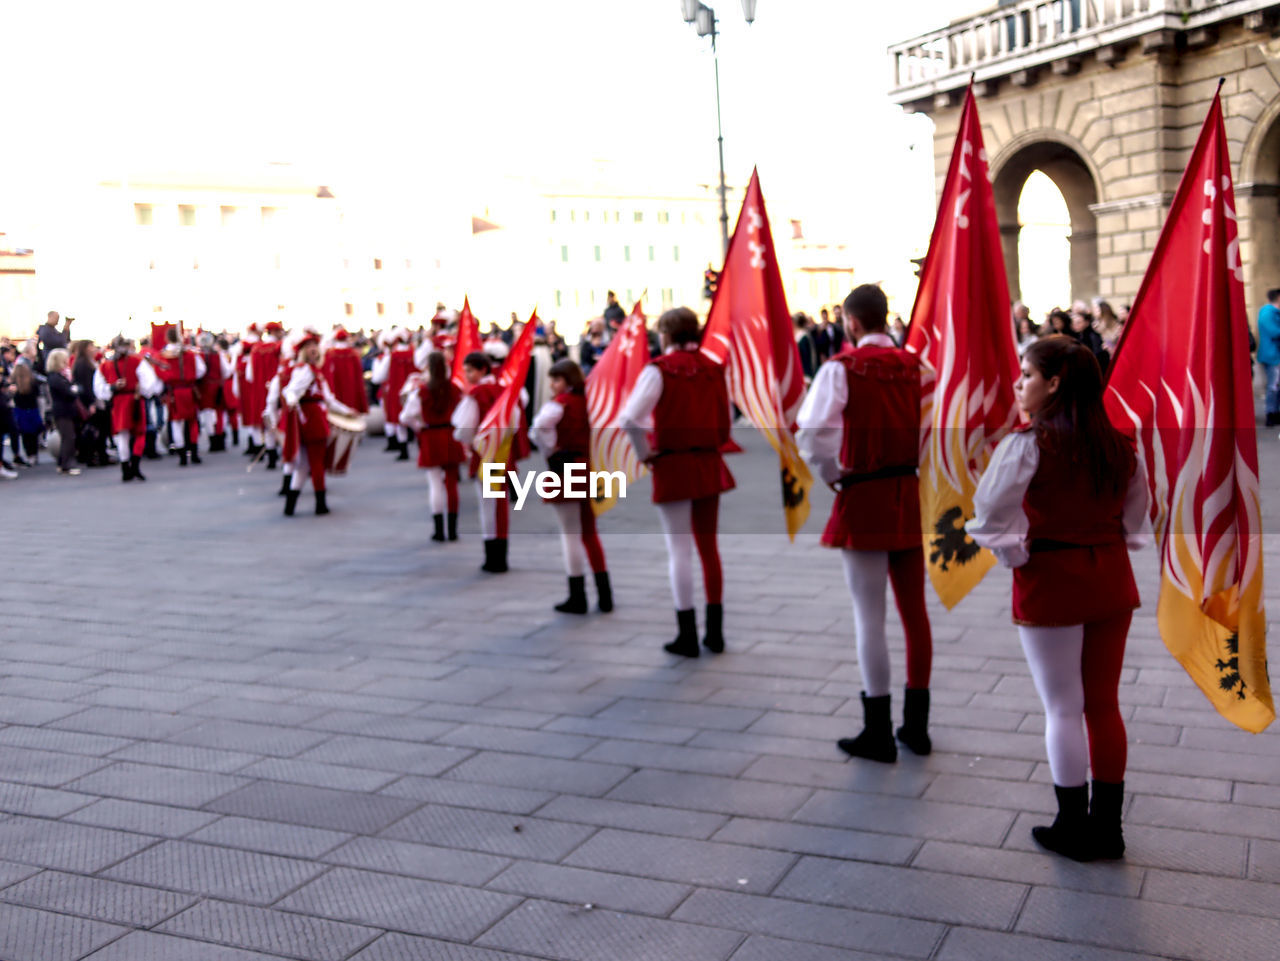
[750, 329]
[961, 328]
[608, 386]
[493, 437]
[468, 341]
[1181, 382]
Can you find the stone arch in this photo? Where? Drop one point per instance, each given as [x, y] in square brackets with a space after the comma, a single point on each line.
[1064, 161]
[1258, 195]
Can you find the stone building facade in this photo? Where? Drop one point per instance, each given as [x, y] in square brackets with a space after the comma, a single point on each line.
[1107, 98]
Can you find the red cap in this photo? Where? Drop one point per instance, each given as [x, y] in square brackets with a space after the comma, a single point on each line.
[309, 337]
[341, 334]
[274, 327]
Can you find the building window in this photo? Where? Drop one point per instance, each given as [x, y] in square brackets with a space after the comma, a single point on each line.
[408, 264]
[586, 216]
[553, 216]
[346, 263]
[349, 309]
[382, 308]
[564, 253]
[684, 217]
[142, 215]
[626, 254]
[276, 261]
[651, 256]
[597, 253]
[195, 264]
[638, 216]
[268, 215]
[377, 263]
[675, 254]
[559, 299]
[573, 216]
[408, 308]
[664, 217]
[630, 296]
[617, 216]
[228, 215]
[668, 297]
[186, 215]
[577, 298]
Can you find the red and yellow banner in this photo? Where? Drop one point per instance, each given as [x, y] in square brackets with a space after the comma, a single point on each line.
[493, 437]
[467, 342]
[608, 386]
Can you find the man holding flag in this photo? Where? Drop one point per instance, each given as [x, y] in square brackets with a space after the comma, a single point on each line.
[859, 429]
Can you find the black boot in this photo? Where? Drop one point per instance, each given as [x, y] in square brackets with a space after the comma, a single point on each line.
[273, 458]
[252, 450]
[135, 467]
[576, 602]
[217, 443]
[914, 732]
[291, 502]
[876, 742]
[438, 521]
[604, 590]
[392, 444]
[713, 641]
[1069, 834]
[404, 450]
[126, 470]
[495, 556]
[452, 526]
[1104, 817]
[150, 449]
[235, 436]
[686, 641]
[182, 457]
[322, 503]
[1272, 419]
[194, 449]
[285, 481]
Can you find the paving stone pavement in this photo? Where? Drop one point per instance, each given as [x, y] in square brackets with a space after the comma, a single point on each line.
[227, 735]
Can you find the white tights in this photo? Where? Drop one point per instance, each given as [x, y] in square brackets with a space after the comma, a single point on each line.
[677, 525]
[436, 491]
[254, 434]
[569, 516]
[123, 449]
[867, 574]
[1053, 654]
[488, 513]
[178, 433]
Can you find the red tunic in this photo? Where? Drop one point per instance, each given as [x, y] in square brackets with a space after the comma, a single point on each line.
[401, 367]
[264, 360]
[308, 423]
[179, 375]
[878, 505]
[345, 374]
[690, 425]
[485, 395]
[573, 437]
[436, 446]
[1079, 567]
[211, 384]
[128, 411]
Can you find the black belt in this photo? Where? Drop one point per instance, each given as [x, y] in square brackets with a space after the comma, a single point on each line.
[686, 450]
[1040, 545]
[309, 400]
[848, 480]
[437, 426]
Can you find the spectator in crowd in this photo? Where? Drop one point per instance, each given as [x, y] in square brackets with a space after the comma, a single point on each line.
[898, 330]
[1059, 322]
[818, 330]
[559, 349]
[96, 428]
[48, 337]
[806, 344]
[1083, 332]
[65, 408]
[1028, 334]
[614, 315]
[591, 346]
[8, 427]
[1021, 312]
[1269, 353]
[26, 405]
[1107, 324]
[835, 331]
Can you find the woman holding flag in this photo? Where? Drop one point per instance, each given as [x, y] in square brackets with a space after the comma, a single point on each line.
[561, 428]
[1062, 502]
[428, 411]
[681, 396]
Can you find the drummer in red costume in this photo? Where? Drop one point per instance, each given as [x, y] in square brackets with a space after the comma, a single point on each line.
[1062, 502]
[264, 358]
[307, 400]
[182, 369]
[483, 391]
[391, 370]
[344, 372]
[429, 410]
[242, 350]
[562, 430]
[682, 397]
[123, 383]
[860, 431]
[272, 422]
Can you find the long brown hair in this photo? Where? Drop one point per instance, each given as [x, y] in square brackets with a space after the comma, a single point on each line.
[1074, 419]
[438, 379]
[570, 373]
[23, 379]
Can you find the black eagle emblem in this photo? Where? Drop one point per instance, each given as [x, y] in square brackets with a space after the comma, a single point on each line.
[951, 543]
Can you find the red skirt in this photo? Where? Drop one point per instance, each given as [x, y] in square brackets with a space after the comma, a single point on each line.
[876, 515]
[1078, 585]
[437, 448]
[182, 403]
[128, 414]
[689, 475]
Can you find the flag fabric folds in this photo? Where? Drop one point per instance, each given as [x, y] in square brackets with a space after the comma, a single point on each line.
[1181, 383]
[962, 329]
[468, 341]
[493, 436]
[608, 386]
[749, 328]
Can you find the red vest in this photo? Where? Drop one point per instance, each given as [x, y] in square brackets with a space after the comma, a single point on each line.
[436, 411]
[882, 415]
[128, 413]
[125, 368]
[693, 411]
[346, 377]
[485, 395]
[211, 385]
[573, 433]
[1061, 504]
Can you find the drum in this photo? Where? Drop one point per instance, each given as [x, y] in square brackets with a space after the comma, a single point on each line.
[344, 435]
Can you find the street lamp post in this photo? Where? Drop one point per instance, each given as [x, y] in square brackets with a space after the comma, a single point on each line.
[704, 20]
